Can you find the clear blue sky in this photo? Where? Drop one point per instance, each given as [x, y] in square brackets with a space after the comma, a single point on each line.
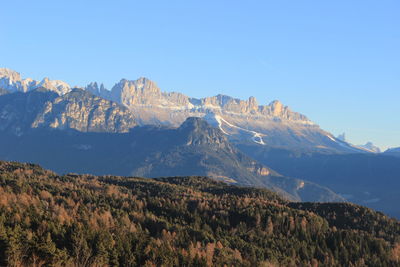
[338, 62]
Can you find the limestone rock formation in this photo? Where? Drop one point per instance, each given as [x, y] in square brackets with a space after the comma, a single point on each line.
[78, 110]
[241, 120]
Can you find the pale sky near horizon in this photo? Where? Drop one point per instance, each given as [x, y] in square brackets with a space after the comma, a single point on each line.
[337, 62]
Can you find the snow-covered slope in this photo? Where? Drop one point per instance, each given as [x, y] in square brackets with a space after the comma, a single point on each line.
[234, 131]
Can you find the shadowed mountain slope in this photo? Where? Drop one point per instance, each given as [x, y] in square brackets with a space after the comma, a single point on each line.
[195, 148]
[367, 179]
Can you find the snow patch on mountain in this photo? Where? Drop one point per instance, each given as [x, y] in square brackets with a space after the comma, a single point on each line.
[219, 122]
[330, 137]
[258, 138]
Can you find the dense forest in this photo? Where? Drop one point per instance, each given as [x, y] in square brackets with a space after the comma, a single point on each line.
[82, 220]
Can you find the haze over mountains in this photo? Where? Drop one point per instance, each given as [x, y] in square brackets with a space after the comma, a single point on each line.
[102, 131]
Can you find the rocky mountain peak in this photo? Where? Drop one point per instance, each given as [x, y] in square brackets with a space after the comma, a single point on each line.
[138, 92]
[276, 108]
[239, 119]
[12, 81]
[371, 147]
[57, 86]
[11, 74]
[78, 109]
[141, 83]
[144, 80]
[195, 124]
[253, 105]
[342, 137]
[92, 86]
[198, 132]
[101, 91]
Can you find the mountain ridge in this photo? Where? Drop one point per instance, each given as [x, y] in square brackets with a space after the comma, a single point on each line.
[78, 109]
[242, 123]
[276, 124]
[195, 148]
[393, 152]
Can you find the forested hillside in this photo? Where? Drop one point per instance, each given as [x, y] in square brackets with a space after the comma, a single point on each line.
[83, 220]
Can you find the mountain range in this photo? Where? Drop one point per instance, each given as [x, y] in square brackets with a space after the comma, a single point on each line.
[78, 109]
[274, 124]
[194, 148]
[136, 129]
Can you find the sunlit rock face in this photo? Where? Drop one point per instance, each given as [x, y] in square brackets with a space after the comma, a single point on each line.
[241, 120]
[77, 110]
[85, 112]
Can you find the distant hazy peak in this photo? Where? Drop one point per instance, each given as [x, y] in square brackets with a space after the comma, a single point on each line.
[370, 147]
[4, 72]
[137, 92]
[197, 131]
[342, 137]
[12, 81]
[55, 85]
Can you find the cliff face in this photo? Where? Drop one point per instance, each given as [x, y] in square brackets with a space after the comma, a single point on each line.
[143, 93]
[84, 112]
[198, 132]
[139, 92]
[241, 120]
[78, 110]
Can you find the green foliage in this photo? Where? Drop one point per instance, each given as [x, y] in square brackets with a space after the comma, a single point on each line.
[83, 220]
